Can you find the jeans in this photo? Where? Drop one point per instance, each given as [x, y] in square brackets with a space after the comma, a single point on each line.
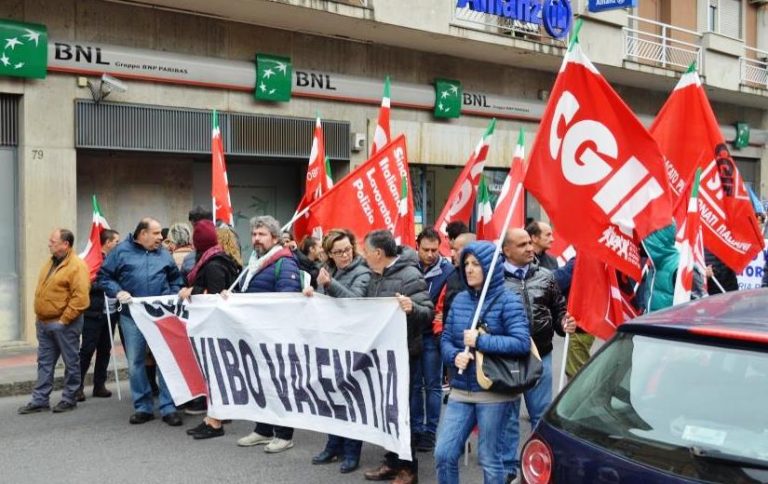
[269, 430]
[458, 421]
[345, 447]
[96, 340]
[426, 379]
[54, 340]
[537, 399]
[136, 352]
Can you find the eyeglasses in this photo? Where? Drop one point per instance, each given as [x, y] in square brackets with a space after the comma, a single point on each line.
[340, 252]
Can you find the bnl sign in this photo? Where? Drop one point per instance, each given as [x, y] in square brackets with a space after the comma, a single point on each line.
[602, 5]
[555, 15]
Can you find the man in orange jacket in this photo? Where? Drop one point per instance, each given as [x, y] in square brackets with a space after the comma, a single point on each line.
[60, 299]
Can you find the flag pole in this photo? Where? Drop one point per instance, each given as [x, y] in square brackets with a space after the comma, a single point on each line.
[112, 359]
[720, 286]
[494, 260]
[296, 216]
[565, 360]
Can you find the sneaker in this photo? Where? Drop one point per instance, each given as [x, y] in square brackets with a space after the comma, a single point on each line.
[196, 430]
[64, 406]
[209, 432]
[173, 419]
[33, 408]
[278, 445]
[254, 439]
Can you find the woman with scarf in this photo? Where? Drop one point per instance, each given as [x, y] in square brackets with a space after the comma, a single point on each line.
[214, 271]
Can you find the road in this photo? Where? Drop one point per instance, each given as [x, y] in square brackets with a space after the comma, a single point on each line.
[95, 443]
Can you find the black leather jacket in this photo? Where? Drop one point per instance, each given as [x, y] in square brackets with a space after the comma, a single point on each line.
[544, 304]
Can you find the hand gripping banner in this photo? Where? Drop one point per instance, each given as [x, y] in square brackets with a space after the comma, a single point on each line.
[336, 366]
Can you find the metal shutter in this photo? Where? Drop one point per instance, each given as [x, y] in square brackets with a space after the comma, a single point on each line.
[730, 18]
[9, 120]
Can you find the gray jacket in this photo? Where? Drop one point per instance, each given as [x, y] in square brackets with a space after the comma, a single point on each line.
[352, 281]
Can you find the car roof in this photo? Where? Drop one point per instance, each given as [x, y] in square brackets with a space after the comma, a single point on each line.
[738, 315]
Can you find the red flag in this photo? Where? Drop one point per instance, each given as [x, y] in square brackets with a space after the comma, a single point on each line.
[596, 301]
[506, 197]
[462, 197]
[561, 249]
[222, 206]
[595, 169]
[686, 128]
[485, 230]
[369, 198]
[317, 182]
[382, 136]
[92, 255]
[688, 234]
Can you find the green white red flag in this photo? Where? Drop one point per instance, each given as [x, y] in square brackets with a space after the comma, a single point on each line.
[461, 200]
[318, 181]
[92, 255]
[596, 170]
[374, 196]
[689, 136]
[510, 195]
[222, 205]
[485, 230]
[688, 234]
[382, 136]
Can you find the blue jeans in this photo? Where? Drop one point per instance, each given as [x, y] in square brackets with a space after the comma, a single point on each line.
[345, 447]
[458, 421]
[537, 399]
[54, 340]
[427, 380]
[136, 352]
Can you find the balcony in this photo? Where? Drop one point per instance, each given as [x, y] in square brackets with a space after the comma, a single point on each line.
[753, 65]
[661, 45]
[506, 27]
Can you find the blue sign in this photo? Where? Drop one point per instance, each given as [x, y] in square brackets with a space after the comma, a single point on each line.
[603, 5]
[555, 15]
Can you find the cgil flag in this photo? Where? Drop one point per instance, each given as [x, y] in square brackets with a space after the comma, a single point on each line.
[382, 135]
[484, 213]
[93, 255]
[461, 200]
[222, 204]
[512, 194]
[597, 301]
[689, 136]
[592, 152]
[686, 239]
[373, 196]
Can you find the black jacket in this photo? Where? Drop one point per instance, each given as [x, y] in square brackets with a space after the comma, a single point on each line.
[453, 286]
[404, 277]
[307, 266]
[218, 273]
[724, 275]
[544, 304]
[547, 261]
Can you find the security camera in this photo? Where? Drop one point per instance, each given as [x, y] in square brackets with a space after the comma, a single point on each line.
[110, 83]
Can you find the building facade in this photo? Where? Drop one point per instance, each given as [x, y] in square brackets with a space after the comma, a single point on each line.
[142, 144]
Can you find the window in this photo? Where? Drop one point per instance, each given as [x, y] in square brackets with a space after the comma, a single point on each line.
[725, 17]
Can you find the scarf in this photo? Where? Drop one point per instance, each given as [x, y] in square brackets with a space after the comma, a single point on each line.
[207, 255]
[256, 263]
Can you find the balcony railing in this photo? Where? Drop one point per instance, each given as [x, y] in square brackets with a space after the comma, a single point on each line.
[484, 22]
[754, 68]
[661, 45]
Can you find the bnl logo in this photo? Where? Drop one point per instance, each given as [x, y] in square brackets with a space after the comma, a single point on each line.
[555, 15]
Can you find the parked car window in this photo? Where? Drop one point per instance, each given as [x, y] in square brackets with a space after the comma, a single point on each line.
[654, 400]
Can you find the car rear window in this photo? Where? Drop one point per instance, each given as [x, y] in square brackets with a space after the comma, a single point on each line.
[652, 400]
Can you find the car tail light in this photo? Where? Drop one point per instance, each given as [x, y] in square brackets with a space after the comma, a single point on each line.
[536, 462]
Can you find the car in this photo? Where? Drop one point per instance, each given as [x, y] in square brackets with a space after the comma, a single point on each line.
[676, 396]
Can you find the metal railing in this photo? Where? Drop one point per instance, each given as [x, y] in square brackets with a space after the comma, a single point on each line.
[493, 24]
[661, 45]
[754, 68]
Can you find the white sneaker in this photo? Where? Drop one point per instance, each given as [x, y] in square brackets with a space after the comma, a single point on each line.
[278, 445]
[254, 439]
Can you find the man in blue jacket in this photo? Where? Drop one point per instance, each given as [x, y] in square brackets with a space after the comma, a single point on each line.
[140, 267]
[272, 268]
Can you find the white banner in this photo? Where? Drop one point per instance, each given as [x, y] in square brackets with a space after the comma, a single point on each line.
[337, 366]
[752, 275]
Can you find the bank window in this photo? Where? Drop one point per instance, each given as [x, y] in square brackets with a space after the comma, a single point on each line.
[725, 17]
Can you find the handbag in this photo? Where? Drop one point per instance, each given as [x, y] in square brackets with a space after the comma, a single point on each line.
[507, 374]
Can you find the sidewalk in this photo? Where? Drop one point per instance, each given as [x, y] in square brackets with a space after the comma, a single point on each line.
[18, 370]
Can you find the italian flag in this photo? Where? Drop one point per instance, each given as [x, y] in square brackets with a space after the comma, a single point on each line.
[222, 205]
[404, 227]
[461, 200]
[328, 176]
[686, 240]
[511, 196]
[92, 255]
[382, 136]
[484, 212]
[318, 182]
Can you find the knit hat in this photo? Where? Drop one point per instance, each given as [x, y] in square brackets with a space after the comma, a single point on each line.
[204, 236]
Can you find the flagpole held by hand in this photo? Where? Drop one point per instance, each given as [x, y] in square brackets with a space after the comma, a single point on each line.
[494, 260]
[112, 359]
[565, 360]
